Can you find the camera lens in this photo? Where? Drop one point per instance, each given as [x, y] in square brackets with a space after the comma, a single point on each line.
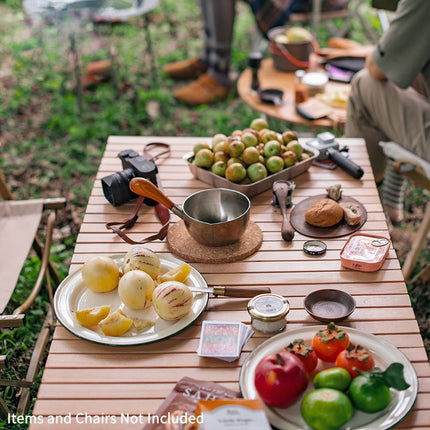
[116, 187]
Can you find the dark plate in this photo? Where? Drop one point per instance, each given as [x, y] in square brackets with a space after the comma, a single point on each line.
[271, 95]
[297, 219]
[329, 305]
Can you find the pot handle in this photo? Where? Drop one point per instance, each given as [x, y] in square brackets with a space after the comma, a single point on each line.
[144, 187]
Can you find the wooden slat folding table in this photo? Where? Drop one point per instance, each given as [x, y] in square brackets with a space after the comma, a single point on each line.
[83, 383]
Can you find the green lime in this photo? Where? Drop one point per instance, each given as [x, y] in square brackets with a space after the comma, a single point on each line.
[326, 409]
[335, 377]
[369, 394]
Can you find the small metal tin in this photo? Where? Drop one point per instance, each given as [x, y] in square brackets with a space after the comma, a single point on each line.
[365, 252]
[268, 312]
[314, 247]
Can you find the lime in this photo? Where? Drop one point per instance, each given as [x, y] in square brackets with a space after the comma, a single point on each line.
[335, 377]
[369, 394]
[326, 409]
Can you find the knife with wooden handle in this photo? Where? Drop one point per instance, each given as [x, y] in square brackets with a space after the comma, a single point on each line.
[232, 291]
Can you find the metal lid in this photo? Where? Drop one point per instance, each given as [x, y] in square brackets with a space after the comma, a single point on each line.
[314, 247]
[268, 307]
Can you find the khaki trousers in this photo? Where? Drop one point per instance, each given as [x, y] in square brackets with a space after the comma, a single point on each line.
[381, 111]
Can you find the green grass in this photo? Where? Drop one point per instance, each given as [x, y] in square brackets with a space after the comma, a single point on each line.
[51, 147]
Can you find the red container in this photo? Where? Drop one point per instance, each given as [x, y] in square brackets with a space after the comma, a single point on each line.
[365, 252]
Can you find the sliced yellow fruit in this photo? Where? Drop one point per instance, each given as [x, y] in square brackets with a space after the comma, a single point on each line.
[141, 324]
[116, 324]
[179, 274]
[92, 316]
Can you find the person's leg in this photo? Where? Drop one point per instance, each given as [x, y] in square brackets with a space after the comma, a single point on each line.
[220, 15]
[214, 85]
[380, 111]
[206, 31]
[194, 67]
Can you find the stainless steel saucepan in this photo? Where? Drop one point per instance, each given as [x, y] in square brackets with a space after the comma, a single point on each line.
[213, 217]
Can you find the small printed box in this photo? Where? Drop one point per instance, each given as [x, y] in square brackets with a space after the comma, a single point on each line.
[365, 252]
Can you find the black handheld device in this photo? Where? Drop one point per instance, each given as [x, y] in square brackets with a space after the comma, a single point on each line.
[328, 149]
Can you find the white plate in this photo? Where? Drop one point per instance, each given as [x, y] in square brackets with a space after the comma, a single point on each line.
[73, 295]
[384, 354]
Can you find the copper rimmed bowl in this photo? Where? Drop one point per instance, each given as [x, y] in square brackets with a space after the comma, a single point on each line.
[329, 305]
[213, 217]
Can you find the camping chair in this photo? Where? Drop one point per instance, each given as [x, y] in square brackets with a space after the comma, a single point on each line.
[317, 15]
[417, 170]
[19, 221]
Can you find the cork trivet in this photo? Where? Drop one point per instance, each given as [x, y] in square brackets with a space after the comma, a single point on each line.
[184, 246]
[297, 220]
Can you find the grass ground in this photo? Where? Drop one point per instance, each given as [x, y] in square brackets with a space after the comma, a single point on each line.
[51, 144]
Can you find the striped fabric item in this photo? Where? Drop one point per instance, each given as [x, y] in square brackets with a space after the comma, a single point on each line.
[393, 187]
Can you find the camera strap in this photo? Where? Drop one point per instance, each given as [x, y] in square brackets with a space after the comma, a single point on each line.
[163, 214]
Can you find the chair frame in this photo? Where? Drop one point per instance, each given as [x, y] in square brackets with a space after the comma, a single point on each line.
[317, 15]
[17, 318]
[412, 172]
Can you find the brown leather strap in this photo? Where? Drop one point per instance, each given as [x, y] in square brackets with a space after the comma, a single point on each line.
[163, 213]
[155, 157]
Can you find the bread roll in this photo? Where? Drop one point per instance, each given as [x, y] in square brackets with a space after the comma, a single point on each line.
[352, 213]
[324, 213]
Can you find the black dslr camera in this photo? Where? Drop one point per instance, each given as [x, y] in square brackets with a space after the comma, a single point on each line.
[116, 186]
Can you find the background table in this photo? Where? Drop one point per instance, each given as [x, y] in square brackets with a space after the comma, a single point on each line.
[272, 78]
[85, 378]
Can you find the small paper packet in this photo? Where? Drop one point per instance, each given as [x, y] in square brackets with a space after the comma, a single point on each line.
[181, 403]
[234, 414]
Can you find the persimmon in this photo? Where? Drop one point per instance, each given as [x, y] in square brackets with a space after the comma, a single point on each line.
[305, 353]
[329, 342]
[355, 357]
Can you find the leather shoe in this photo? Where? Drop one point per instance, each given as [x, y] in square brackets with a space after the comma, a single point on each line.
[205, 90]
[186, 69]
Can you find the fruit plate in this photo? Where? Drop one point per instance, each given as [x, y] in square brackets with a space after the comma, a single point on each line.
[255, 188]
[73, 295]
[384, 354]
